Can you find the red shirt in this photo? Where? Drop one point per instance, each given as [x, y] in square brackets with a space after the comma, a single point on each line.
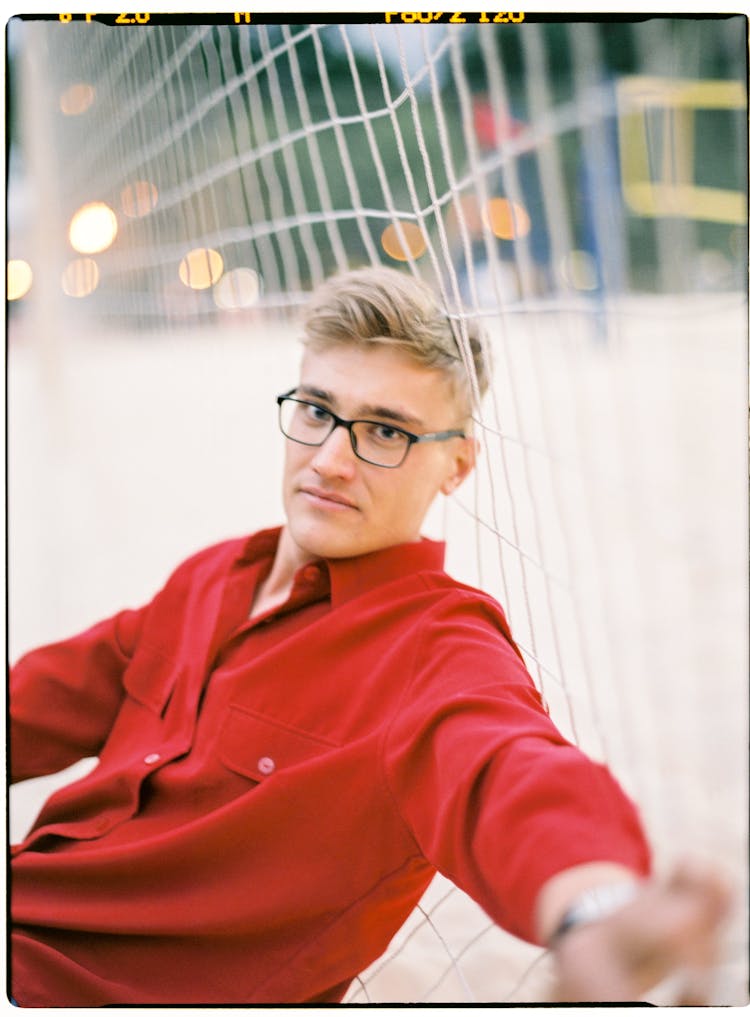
[273, 796]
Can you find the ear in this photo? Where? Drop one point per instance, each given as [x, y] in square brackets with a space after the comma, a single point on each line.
[462, 463]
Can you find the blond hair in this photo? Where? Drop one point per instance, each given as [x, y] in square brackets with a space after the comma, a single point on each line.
[380, 305]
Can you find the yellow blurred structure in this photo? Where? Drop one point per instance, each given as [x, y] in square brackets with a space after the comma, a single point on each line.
[674, 192]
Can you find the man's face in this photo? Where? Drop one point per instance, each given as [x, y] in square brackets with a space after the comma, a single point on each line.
[338, 506]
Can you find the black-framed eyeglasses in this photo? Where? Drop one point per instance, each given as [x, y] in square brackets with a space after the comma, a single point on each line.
[373, 441]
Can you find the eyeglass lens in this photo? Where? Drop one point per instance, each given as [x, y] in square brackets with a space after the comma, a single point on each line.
[310, 424]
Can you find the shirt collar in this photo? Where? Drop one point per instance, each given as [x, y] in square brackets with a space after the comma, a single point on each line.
[351, 577]
[262, 544]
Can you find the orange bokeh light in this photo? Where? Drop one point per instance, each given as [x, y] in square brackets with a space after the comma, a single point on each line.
[201, 268]
[77, 99]
[139, 198]
[237, 289]
[93, 228]
[19, 278]
[508, 220]
[404, 242]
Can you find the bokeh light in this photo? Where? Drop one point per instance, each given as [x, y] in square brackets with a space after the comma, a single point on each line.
[77, 99]
[579, 270]
[241, 287]
[20, 278]
[508, 220]
[465, 210]
[404, 242]
[139, 198]
[201, 268]
[93, 228]
[80, 277]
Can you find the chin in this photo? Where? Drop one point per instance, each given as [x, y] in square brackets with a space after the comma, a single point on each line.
[321, 540]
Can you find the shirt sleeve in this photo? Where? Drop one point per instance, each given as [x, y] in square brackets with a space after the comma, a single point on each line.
[493, 794]
[64, 697]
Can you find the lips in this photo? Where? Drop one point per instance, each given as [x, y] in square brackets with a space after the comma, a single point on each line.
[331, 498]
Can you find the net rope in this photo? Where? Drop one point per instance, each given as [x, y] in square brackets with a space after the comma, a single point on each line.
[290, 150]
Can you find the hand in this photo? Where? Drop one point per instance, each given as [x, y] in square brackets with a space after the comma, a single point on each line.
[671, 926]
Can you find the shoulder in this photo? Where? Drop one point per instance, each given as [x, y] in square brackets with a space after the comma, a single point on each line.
[210, 561]
[461, 609]
[224, 550]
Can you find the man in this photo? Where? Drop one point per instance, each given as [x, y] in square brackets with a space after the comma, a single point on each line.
[304, 725]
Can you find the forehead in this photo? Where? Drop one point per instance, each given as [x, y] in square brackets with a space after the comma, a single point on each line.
[358, 377]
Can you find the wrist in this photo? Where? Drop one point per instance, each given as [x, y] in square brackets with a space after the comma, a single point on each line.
[593, 905]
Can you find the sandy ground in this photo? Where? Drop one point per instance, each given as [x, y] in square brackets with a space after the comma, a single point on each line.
[612, 525]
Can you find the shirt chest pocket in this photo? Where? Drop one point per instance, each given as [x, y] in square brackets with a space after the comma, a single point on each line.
[260, 748]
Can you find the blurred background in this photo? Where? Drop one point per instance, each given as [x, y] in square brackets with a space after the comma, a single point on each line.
[577, 187]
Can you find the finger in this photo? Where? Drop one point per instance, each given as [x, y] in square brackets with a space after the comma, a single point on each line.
[695, 878]
[684, 915]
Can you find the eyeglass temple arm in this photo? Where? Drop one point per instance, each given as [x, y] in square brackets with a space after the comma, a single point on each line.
[439, 435]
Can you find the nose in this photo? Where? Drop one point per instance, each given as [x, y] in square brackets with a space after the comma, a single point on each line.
[335, 457]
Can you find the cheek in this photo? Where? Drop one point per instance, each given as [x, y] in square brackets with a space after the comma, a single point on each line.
[291, 471]
[409, 499]
[295, 457]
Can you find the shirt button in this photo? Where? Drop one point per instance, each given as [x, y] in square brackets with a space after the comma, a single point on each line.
[311, 572]
[266, 765]
[151, 758]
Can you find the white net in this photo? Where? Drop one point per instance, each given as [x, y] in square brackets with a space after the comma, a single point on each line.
[577, 188]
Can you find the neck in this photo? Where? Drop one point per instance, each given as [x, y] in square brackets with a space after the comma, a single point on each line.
[277, 585]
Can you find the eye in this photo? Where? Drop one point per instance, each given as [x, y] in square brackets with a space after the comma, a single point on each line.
[315, 414]
[384, 434]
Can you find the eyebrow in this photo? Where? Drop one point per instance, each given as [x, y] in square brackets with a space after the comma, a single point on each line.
[366, 411]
